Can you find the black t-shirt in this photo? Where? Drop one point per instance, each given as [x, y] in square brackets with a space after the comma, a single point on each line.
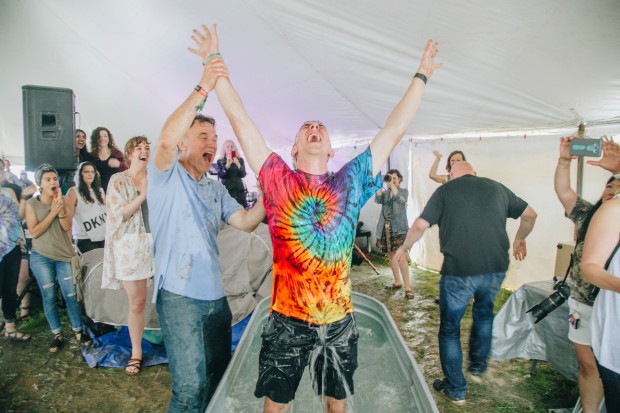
[471, 213]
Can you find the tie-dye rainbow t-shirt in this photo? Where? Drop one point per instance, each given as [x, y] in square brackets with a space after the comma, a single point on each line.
[312, 220]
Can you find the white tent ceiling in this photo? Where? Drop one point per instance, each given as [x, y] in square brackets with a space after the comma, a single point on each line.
[509, 64]
[512, 68]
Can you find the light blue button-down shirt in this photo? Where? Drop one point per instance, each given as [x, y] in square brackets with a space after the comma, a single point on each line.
[185, 216]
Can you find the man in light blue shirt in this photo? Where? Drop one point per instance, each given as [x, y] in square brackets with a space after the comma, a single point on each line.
[186, 208]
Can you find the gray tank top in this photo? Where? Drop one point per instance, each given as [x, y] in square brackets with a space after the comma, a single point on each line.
[53, 243]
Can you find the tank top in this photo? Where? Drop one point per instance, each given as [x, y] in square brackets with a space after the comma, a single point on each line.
[53, 243]
[89, 219]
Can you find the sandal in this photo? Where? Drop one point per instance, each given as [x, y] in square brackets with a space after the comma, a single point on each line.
[133, 366]
[83, 339]
[16, 335]
[409, 294]
[393, 286]
[57, 343]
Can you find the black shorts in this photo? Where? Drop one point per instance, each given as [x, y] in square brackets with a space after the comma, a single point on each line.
[288, 347]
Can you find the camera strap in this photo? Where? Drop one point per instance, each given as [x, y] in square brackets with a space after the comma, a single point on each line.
[570, 265]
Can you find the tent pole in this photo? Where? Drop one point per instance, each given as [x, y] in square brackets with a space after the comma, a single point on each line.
[579, 175]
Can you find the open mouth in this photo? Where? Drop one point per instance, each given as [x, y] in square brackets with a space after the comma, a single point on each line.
[313, 138]
[208, 156]
[54, 189]
[143, 158]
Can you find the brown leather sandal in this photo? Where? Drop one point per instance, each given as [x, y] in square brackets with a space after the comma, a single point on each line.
[409, 294]
[133, 366]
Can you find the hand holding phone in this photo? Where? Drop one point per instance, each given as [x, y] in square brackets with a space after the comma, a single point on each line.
[586, 147]
[233, 154]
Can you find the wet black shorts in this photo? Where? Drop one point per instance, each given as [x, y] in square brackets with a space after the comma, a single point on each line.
[289, 345]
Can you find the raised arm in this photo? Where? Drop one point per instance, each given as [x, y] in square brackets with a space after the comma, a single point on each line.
[601, 239]
[611, 156]
[181, 119]
[561, 180]
[251, 140]
[440, 179]
[413, 235]
[526, 225]
[400, 118]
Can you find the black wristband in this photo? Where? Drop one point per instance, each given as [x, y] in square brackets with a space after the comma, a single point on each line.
[421, 76]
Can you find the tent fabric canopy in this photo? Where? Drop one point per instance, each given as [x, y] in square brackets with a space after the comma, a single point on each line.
[517, 75]
[509, 65]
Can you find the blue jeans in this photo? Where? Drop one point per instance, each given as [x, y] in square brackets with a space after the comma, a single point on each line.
[197, 336]
[454, 295]
[47, 272]
[611, 388]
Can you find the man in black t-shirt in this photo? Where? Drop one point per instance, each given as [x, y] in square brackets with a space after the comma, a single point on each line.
[471, 213]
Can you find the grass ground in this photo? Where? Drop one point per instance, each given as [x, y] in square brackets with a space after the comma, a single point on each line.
[33, 380]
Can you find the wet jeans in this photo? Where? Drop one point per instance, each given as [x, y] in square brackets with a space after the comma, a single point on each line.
[454, 295]
[47, 272]
[197, 336]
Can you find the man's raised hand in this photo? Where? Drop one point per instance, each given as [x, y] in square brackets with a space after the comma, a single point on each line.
[427, 64]
[207, 50]
[206, 40]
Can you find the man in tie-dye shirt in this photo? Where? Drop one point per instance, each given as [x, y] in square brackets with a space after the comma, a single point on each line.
[312, 215]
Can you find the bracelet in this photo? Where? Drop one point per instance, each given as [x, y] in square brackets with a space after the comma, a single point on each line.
[204, 93]
[565, 163]
[211, 56]
[421, 76]
[201, 90]
[62, 216]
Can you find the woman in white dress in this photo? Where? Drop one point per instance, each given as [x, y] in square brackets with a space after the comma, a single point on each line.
[127, 252]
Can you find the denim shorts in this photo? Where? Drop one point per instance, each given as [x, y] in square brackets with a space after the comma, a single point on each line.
[289, 345]
[583, 333]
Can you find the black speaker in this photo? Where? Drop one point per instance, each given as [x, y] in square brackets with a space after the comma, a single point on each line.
[49, 126]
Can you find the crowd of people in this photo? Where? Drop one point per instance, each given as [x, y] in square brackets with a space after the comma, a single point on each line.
[158, 217]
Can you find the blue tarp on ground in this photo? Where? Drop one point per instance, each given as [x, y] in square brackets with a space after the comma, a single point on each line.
[114, 349]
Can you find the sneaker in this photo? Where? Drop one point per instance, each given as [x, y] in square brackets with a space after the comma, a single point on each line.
[476, 378]
[438, 385]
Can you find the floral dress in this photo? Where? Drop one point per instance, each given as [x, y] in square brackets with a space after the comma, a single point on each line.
[127, 252]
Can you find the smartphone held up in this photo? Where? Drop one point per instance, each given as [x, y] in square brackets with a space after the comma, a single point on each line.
[586, 147]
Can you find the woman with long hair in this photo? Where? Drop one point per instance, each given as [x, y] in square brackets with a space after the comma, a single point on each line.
[67, 177]
[393, 226]
[85, 205]
[108, 159]
[230, 170]
[81, 151]
[582, 293]
[52, 259]
[455, 156]
[127, 253]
